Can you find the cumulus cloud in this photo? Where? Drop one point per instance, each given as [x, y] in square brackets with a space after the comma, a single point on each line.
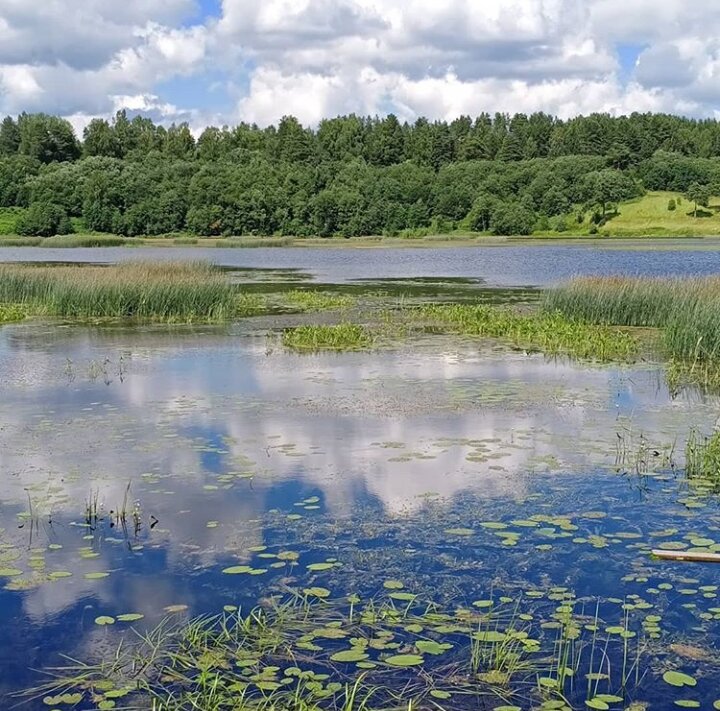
[317, 58]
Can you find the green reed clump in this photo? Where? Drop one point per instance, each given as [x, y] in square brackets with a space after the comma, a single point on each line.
[10, 313]
[687, 309]
[13, 241]
[68, 241]
[702, 456]
[551, 333]
[168, 292]
[341, 337]
[255, 242]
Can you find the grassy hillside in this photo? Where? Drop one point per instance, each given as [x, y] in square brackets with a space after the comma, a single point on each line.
[649, 215]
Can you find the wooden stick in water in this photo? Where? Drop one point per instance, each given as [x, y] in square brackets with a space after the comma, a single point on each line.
[688, 556]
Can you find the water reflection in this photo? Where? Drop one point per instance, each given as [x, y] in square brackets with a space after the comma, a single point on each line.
[216, 432]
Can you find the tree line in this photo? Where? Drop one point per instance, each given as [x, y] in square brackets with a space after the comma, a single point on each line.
[349, 176]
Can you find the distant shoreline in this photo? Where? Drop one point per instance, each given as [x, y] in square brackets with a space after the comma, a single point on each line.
[709, 242]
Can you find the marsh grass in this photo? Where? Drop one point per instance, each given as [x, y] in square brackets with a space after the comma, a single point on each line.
[551, 333]
[702, 456]
[301, 651]
[20, 241]
[255, 242]
[10, 313]
[169, 292]
[340, 337]
[313, 301]
[688, 310]
[70, 241]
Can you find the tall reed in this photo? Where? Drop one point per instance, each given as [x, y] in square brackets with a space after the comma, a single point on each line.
[687, 309]
[168, 292]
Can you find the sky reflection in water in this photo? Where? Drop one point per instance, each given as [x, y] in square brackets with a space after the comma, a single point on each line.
[224, 438]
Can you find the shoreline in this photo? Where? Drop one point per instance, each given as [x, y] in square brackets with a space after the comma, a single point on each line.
[707, 242]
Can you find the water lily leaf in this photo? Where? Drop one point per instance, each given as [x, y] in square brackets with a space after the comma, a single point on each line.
[405, 660]
[238, 570]
[440, 694]
[59, 574]
[687, 704]
[350, 656]
[319, 567]
[459, 531]
[432, 647]
[675, 678]
[176, 608]
[597, 704]
[322, 593]
[393, 585]
[96, 576]
[10, 572]
[104, 620]
[130, 617]
[403, 596]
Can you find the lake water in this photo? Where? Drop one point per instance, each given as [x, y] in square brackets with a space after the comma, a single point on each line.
[533, 265]
[472, 476]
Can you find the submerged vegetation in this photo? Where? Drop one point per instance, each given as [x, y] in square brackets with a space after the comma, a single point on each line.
[172, 292]
[306, 651]
[550, 333]
[340, 337]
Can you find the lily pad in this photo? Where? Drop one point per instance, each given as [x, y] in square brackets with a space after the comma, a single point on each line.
[405, 660]
[349, 656]
[675, 678]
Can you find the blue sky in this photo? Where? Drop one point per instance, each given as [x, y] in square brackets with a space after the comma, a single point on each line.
[225, 61]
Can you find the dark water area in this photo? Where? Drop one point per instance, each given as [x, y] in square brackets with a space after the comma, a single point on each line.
[465, 473]
[522, 265]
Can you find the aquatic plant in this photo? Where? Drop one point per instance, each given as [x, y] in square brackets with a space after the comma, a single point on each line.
[168, 292]
[551, 333]
[341, 337]
[85, 240]
[10, 313]
[702, 456]
[311, 301]
[687, 309]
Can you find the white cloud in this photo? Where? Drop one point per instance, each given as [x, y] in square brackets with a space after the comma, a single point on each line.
[317, 58]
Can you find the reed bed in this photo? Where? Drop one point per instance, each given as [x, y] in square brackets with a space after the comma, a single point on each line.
[69, 241]
[688, 310]
[551, 333]
[169, 292]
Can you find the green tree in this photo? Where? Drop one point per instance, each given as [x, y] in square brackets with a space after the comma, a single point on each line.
[512, 219]
[47, 138]
[699, 195]
[44, 220]
[9, 137]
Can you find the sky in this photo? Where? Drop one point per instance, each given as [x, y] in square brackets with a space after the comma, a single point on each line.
[217, 62]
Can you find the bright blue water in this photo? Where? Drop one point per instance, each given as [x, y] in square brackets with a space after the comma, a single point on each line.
[224, 436]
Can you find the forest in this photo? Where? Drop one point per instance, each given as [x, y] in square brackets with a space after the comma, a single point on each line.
[349, 176]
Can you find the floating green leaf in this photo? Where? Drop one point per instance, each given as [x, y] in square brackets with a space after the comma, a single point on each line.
[405, 660]
[675, 678]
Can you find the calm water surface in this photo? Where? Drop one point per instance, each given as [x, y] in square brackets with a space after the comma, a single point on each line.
[388, 465]
[503, 265]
